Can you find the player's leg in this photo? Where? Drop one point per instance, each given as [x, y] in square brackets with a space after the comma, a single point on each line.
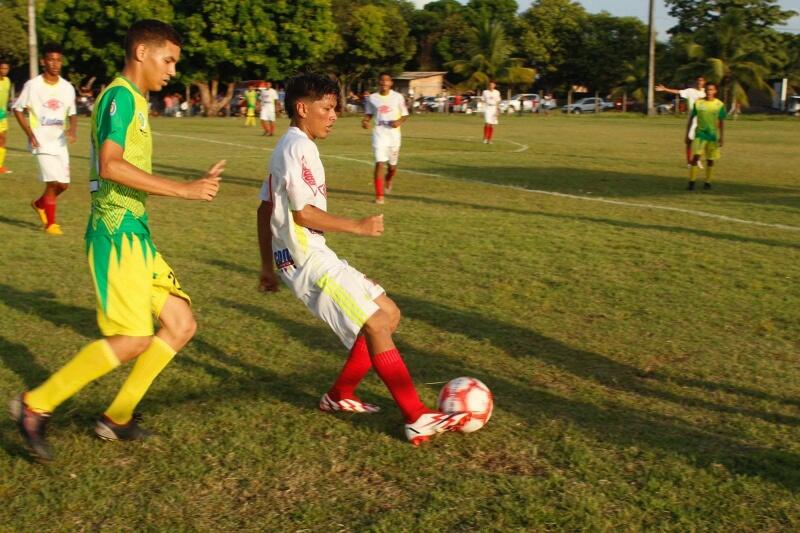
[712, 155]
[3, 130]
[172, 307]
[709, 173]
[265, 127]
[485, 133]
[394, 157]
[698, 148]
[377, 177]
[272, 127]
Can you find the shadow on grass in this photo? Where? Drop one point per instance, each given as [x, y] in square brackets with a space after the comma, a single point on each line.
[22, 362]
[45, 305]
[20, 223]
[578, 218]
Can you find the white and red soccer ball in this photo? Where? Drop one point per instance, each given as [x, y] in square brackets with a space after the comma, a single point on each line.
[467, 394]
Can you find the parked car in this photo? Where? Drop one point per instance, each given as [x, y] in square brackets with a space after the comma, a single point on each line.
[631, 105]
[427, 103]
[793, 105]
[669, 107]
[587, 105]
[527, 101]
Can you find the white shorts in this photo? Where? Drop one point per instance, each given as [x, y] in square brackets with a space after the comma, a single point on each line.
[490, 115]
[340, 296]
[386, 152]
[54, 167]
[268, 114]
[693, 128]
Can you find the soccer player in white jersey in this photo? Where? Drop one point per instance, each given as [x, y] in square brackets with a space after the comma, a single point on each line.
[292, 222]
[691, 95]
[49, 101]
[268, 98]
[491, 102]
[390, 112]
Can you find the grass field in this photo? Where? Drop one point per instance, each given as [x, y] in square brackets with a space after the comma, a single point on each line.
[643, 351]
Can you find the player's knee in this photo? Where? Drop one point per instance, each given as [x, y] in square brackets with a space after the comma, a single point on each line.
[378, 324]
[186, 327]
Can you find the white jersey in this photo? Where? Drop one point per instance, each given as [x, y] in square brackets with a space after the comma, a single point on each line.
[296, 179]
[691, 95]
[268, 98]
[491, 98]
[385, 110]
[48, 107]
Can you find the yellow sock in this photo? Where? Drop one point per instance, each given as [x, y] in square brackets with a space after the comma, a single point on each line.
[692, 173]
[147, 367]
[709, 172]
[2, 156]
[93, 361]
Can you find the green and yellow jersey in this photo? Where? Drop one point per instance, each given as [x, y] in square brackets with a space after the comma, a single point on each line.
[119, 116]
[708, 113]
[251, 96]
[5, 91]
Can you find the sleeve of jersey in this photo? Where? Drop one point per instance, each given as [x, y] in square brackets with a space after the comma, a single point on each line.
[300, 182]
[114, 116]
[369, 109]
[22, 100]
[723, 114]
[71, 109]
[403, 108]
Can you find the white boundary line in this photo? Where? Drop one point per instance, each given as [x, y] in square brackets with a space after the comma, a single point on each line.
[694, 212]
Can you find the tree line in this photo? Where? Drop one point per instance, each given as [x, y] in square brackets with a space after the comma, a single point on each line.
[553, 45]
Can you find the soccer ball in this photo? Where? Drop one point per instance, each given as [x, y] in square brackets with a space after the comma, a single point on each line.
[467, 394]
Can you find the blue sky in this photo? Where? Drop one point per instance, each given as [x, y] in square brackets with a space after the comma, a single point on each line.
[638, 8]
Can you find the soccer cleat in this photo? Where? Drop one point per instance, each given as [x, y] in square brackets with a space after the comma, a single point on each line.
[40, 212]
[32, 426]
[706, 186]
[53, 229]
[108, 430]
[388, 187]
[347, 405]
[4, 170]
[690, 187]
[430, 424]
[379, 200]
[699, 164]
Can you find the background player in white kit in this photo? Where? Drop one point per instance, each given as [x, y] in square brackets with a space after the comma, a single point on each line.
[268, 98]
[390, 112]
[491, 103]
[292, 221]
[691, 95]
[49, 99]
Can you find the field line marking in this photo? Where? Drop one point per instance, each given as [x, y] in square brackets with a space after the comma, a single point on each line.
[694, 212]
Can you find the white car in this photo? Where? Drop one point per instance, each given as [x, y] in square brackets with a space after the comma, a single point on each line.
[528, 102]
[793, 105]
[588, 105]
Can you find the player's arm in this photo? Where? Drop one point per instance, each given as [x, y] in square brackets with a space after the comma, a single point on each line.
[662, 89]
[26, 127]
[316, 219]
[399, 122]
[114, 168]
[268, 281]
[365, 121]
[72, 132]
[721, 132]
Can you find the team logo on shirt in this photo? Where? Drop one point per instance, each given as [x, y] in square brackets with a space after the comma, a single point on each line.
[113, 109]
[384, 109]
[53, 104]
[308, 176]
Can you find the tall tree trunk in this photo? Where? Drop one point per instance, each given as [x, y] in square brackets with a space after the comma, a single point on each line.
[208, 96]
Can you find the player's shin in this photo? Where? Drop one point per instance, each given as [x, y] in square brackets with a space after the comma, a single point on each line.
[147, 367]
[357, 365]
[391, 368]
[93, 361]
[709, 170]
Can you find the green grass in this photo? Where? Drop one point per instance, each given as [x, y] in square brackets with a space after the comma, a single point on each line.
[644, 361]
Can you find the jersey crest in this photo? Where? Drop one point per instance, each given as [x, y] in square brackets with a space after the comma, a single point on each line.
[308, 176]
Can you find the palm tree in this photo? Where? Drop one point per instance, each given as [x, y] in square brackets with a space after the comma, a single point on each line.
[633, 81]
[490, 59]
[732, 58]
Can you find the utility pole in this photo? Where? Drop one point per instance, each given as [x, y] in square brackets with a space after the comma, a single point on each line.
[651, 62]
[33, 50]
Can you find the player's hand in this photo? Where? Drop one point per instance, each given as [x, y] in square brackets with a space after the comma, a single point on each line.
[33, 141]
[268, 281]
[206, 188]
[660, 88]
[71, 137]
[395, 123]
[371, 226]
[365, 123]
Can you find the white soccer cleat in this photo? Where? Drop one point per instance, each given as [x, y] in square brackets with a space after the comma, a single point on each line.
[430, 424]
[347, 405]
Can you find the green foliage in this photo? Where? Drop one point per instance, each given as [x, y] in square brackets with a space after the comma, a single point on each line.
[13, 33]
[698, 15]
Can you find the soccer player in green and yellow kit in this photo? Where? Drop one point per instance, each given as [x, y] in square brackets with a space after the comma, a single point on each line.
[5, 90]
[708, 138]
[132, 281]
[251, 97]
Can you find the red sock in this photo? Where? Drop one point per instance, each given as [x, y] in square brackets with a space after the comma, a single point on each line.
[40, 202]
[491, 132]
[392, 370]
[390, 175]
[272, 128]
[378, 187]
[50, 210]
[356, 367]
[485, 132]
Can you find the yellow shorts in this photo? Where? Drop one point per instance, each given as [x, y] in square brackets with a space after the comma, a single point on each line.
[3, 125]
[709, 149]
[132, 283]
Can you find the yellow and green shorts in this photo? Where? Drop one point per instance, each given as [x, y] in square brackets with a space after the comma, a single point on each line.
[132, 283]
[251, 111]
[708, 149]
[3, 125]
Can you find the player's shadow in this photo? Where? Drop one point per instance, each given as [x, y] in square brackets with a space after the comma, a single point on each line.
[20, 223]
[519, 342]
[580, 218]
[18, 359]
[45, 305]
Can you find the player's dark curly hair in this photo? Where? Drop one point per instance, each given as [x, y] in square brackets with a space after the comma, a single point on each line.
[150, 31]
[52, 48]
[307, 85]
